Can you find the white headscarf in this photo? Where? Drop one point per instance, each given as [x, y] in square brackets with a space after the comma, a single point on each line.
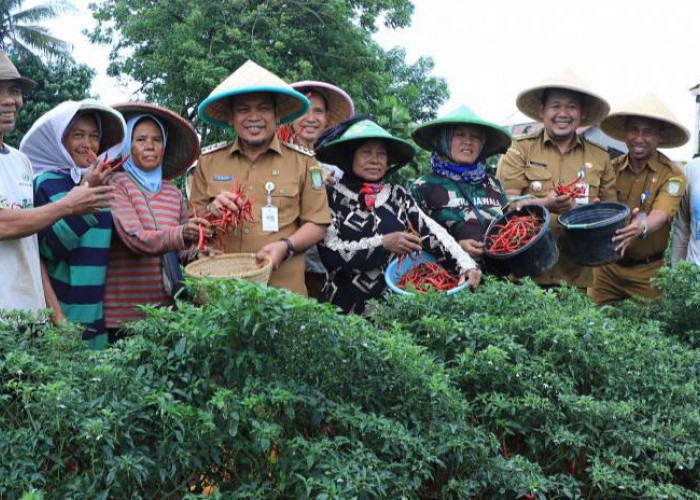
[43, 143]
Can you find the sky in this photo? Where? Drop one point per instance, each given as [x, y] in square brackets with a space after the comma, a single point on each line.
[488, 51]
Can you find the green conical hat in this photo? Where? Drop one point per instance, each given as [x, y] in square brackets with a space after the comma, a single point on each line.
[341, 151]
[497, 138]
[251, 78]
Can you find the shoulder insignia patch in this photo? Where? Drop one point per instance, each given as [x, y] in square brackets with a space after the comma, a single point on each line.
[216, 147]
[674, 186]
[299, 149]
[316, 177]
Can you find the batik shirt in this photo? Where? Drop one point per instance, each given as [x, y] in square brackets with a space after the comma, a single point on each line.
[463, 208]
[353, 250]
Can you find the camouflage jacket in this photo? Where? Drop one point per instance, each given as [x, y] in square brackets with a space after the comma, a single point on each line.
[464, 209]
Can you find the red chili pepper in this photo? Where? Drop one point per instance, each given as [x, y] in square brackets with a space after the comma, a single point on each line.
[516, 233]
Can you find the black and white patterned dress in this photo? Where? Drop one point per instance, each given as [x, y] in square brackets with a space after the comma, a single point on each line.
[354, 255]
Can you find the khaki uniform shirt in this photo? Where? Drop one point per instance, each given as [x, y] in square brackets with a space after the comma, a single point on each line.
[299, 195]
[665, 184]
[533, 164]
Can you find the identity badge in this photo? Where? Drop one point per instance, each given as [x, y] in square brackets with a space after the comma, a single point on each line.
[270, 214]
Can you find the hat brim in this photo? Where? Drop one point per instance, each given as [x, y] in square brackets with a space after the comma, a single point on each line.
[672, 134]
[182, 147]
[339, 104]
[595, 108]
[497, 140]
[289, 103]
[26, 84]
[342, 152]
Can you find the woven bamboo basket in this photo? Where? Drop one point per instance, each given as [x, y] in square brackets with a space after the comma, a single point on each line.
[231, 265]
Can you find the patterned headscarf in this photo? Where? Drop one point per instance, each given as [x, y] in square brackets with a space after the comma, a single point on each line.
[442, 163]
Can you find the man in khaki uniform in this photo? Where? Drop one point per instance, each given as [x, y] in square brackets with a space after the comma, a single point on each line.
[652, 186]
[284, 182]
[534, 163]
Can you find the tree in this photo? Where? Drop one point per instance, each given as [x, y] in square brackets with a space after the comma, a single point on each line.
[20, 33]
[181, 49]
[56, 82]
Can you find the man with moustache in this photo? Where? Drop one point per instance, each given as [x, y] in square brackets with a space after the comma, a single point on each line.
[651, 185]
[284, 181]
[23, 280]
[557, 154]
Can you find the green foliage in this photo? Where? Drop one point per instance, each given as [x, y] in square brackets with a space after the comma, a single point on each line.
[508, 392]
[679, 312]
[56, 82]
[605, 399]
[180, 50]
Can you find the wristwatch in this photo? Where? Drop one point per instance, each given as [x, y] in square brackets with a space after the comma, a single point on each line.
[645, 231]
[290, 248]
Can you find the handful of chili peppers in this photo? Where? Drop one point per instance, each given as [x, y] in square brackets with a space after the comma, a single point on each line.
[516, 233]
[228, 220]
[112, 164]
[427, 277]
[570, 188]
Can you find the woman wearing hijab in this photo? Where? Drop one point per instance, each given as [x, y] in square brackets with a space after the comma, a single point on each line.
[373, 221]
[150, 215]
[460, 193]
[62, 146]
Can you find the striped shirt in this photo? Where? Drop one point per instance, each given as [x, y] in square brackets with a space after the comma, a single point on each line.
[134, 274]
[76, 250]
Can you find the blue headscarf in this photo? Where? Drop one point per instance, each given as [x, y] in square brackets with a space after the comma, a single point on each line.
[442, 164]
[153, 180]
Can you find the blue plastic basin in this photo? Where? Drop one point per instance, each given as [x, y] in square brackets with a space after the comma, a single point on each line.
[394, 273]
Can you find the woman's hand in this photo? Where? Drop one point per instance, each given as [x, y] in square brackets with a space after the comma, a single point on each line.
[400, 243]
[474, 248]
[190, 230]
[98, 174]
[473, 277]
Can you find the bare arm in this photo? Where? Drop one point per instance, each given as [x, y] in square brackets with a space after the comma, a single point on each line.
[15, 224]
[50, 296]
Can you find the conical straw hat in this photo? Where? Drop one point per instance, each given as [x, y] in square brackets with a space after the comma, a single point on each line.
[247, 79]
[497, 138]
[595, 108]
[8, 71]
[339, 103]
[341, 151]
[182, 146]
[673, 134]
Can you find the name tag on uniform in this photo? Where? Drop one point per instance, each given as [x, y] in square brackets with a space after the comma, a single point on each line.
[270, 214]
[222, 178]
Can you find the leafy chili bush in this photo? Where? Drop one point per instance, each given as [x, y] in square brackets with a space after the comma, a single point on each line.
[606, 399]
[509, 392]
[258, 394]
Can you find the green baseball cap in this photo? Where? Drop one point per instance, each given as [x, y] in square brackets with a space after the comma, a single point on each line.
[498, 139]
